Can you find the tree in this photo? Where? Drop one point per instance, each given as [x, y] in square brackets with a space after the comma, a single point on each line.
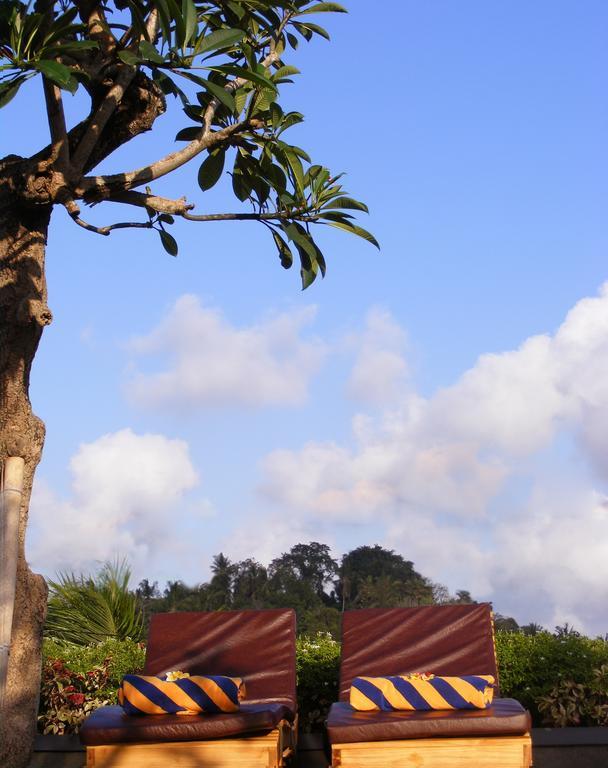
[371, 575]
[310, 563]
[224, 62]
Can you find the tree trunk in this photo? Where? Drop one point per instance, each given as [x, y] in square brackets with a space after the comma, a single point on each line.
[23, 315]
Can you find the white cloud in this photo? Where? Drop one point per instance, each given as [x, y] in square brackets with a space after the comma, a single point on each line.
[207, 362]
[472, 482]
[380, 371]
[129, 495]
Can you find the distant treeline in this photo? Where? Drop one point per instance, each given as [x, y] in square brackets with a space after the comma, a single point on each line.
[310, 580]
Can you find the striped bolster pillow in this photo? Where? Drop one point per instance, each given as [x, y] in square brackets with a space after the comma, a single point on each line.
[208, 694]
[421, 692]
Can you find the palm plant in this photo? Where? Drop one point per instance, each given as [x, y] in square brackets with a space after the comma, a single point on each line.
[85, 610]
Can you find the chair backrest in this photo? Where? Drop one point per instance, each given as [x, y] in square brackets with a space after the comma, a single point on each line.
[259, 646]
[442, 639]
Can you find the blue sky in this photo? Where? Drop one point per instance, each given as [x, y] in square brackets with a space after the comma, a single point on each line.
[445, 397]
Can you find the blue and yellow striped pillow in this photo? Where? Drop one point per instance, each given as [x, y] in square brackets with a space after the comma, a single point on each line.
[199, 694]
[421, 692]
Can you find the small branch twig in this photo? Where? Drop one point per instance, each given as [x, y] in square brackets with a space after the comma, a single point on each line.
[74, 212]
[276, 216]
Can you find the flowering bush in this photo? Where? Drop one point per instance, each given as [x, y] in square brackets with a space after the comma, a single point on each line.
[317, 666]
[531, 666]
[78, 679]
[67, 697]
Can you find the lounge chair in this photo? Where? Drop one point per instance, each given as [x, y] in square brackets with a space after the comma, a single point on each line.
[258, 646]
[451, 640]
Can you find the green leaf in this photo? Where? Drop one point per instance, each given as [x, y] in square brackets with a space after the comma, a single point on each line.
[74, 45]
[355, 230]
[58, 73]
[348, 202]
[324, 8]
[221, 94]
[308, 275]
[295, 164]
[240, 99]
[285, 71]
[8, 91]
[129, 58]
[169, 242]
[316, 29]
[188, 134]
[302, 240]
[149, 53]
[211, 169]
[221, 38]
[190, 20]
[285, 253]
[245, 74]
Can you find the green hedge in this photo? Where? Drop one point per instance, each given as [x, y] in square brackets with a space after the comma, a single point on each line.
[530, 666]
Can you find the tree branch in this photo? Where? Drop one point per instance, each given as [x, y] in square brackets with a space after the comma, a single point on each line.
[109, 104]
[104, 187]
[158, 204]
[100, 118]
[60, 149]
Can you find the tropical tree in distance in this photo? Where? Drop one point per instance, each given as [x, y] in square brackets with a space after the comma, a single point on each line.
[223, 62]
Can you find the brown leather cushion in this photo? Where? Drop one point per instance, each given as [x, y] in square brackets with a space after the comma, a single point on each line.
[110, 725]
[506, 717]
[442, 639]
[259, 646]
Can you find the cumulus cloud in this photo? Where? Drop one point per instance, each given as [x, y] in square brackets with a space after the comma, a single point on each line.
[204, 361]
[380, 370]
[460, 481]
[127, 490]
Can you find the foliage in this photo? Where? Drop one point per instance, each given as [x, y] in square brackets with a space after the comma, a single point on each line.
[563, 680]
[570, 703]
[67, 697]
[373, 577]
[77, 679]
[86, 609]
[125, 656]
[225, 62]
[318, 667]
[306, 578]
[531, 666]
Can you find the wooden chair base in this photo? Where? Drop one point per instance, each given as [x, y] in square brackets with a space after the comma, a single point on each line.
[268, 750]
[489, 752]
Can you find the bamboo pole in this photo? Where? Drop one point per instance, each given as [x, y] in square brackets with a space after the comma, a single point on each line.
[11, 488]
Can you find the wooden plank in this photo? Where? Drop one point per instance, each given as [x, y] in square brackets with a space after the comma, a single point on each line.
[251, 752]
[491, 752]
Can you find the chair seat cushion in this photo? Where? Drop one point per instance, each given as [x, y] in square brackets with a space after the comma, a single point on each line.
[506, 717]
[110, 725]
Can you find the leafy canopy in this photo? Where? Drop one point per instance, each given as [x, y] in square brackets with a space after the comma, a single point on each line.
[225, 62]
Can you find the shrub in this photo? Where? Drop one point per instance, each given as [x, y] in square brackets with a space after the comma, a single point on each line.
[530, 666]
[77, 679]
[318, 667]
[82, 609]
[67, 697]
[571, 703]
